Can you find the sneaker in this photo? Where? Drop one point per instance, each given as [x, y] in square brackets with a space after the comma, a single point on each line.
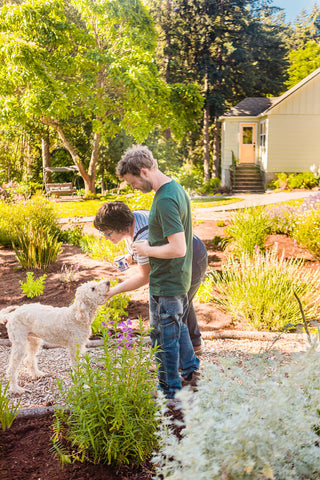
[191, 380]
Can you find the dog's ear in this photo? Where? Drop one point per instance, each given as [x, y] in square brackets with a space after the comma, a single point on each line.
[81, 312]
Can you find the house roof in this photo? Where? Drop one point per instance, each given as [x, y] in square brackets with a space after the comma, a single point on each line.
[250, 107]
[255, 106]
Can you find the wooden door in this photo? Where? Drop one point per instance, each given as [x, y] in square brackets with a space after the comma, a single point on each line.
[247, 143]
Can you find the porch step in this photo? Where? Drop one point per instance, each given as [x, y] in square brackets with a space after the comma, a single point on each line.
[246, 178]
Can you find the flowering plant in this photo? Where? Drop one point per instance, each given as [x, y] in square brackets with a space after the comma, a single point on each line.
[108, 414]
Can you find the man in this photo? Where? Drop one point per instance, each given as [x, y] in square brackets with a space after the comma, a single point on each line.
[169, 248]
[117, 222]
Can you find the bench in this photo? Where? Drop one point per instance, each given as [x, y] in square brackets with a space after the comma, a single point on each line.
[60, 188]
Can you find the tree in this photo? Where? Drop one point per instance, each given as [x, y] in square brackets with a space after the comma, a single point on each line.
[303, 62]
[229, 49]
[67, 64]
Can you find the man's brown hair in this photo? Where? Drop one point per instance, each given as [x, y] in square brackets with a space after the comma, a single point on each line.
[134, 159]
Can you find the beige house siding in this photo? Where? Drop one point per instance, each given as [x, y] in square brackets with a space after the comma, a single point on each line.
[294, 131]
[294, 143]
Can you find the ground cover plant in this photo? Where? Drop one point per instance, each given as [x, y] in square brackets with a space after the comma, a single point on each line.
[257, 421]
[259, 290]
[108, 414]
[33, 287]
[8, 411]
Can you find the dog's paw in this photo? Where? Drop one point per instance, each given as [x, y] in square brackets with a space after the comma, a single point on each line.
[16, 390]
[37, 374]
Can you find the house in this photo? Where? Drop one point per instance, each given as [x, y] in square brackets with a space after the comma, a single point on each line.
[273, 135]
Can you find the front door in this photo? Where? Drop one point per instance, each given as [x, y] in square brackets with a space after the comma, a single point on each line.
[247, 143]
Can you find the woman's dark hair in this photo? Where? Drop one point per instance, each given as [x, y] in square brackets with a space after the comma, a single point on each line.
[114, 216]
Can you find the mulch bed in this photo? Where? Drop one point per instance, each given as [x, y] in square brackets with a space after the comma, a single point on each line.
[25, 447]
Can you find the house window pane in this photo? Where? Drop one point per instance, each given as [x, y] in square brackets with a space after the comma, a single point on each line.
[263, 135]
[247, 135]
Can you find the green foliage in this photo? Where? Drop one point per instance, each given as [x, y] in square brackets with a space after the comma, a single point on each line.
[108, 415]
[303, 62]
[248, 230]
[114, 310]
[87, 72]
[31, 287]
[204, 292]
[100, 248]
[220, 223]
[14, 192]
[306, 180]
[247, 422]
[210, 187]
[72, 234]
[307, 230]
[8, 412]
[259, 289]
[36, 248]
[34, 214]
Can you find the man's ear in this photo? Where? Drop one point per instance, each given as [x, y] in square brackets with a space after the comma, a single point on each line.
[144, 173]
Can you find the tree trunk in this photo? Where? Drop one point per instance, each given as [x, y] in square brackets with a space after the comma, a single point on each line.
[206, 122]
[216, 149]
[89, 179]
[46, 160]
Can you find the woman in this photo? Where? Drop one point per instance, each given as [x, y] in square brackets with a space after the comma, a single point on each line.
[117, 222]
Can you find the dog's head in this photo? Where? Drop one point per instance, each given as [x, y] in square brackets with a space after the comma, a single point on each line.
[92, 293]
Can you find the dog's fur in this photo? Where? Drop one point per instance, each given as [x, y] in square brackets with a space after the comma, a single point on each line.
[28, 325]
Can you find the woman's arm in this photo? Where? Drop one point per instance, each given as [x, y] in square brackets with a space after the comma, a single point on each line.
[138, 280]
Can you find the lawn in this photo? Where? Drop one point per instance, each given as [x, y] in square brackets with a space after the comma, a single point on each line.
[89, 208]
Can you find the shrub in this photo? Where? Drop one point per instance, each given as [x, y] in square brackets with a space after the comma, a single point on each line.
[210, 186]
[36, 213]
[307, 230]
[114, 310]
[260, 290]
[283, 219]
[100, 248]
[71, 235]
[248, 230]
[31, 287]
[302, 180]
[108, 414]
[8, 412]
[36, 248]
[257, 422]
[298, 180]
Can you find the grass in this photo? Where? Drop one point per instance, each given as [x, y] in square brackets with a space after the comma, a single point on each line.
[213, 202]
[89, 208]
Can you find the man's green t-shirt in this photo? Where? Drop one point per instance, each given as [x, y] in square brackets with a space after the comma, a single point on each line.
[170, 213]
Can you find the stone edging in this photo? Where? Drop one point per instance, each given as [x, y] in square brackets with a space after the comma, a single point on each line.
[210, 335]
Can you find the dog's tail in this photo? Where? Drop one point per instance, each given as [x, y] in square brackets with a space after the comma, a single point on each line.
[5, 313]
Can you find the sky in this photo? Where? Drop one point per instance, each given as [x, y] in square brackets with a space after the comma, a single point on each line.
[292, 8]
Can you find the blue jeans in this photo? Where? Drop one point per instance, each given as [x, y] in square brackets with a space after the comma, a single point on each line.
[171, 334]
[199, 267]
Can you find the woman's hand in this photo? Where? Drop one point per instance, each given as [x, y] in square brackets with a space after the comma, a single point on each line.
[141, 247]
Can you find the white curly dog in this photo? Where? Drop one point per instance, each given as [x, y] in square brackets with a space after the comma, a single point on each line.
[28, 325]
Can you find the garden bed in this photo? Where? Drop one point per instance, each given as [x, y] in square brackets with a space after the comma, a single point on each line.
[25, 447]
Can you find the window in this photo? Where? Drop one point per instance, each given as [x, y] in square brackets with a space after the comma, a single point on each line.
[262, 135]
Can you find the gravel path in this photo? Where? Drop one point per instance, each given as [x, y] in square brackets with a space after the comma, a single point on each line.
[55, 363]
